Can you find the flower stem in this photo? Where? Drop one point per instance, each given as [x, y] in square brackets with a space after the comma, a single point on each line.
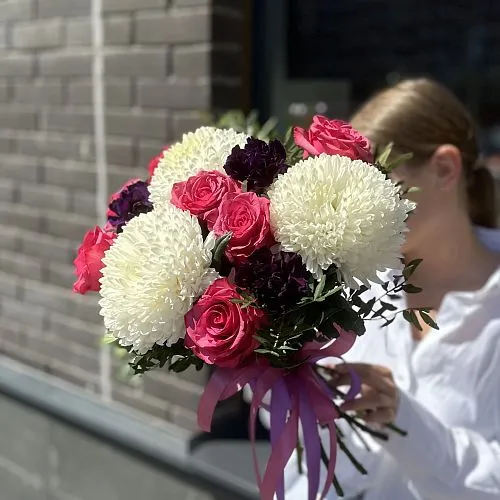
[338, 488]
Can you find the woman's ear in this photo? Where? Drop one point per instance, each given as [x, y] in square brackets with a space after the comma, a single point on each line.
[446, 164]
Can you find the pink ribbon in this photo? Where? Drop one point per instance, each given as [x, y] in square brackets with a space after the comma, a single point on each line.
[299, 395]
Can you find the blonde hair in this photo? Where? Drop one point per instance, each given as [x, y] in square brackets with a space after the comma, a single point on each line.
[420, 115]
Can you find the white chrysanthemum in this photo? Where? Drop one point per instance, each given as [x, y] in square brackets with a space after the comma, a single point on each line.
[333, 210]
[207, 148]
[152, 274]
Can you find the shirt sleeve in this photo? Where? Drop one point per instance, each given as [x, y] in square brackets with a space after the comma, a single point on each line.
[444, 462]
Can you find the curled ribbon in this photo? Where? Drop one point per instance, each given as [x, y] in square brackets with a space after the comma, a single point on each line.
[297, 396]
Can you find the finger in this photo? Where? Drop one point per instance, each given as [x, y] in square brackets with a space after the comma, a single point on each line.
[381, 416]
[379, 377]
[370, 400]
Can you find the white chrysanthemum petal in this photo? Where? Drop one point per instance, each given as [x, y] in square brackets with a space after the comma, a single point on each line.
[207, 148]
[333, 210]
[152, 274]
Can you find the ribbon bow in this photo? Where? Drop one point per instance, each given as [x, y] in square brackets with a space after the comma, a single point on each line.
[298, 395]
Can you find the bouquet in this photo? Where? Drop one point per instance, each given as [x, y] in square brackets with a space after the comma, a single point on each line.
[253, 257]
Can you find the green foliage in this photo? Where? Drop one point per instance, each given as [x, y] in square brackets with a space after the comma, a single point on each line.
[386, 161]
[248, 124]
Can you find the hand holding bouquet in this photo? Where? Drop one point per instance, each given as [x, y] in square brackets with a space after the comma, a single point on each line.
[253, 257]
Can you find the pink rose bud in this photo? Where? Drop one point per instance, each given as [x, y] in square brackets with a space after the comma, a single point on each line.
[246, 216]
[201, 194]
[218, 330]
[88, 262]
[333, 137]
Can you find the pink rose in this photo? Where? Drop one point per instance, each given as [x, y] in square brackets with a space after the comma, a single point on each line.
[155, 161]
[202, 194]
[88, 262]
[219, 331]
[333, 137]
[246, 216]
[116, 195]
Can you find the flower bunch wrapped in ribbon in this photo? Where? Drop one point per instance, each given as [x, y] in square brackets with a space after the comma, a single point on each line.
[252, 257]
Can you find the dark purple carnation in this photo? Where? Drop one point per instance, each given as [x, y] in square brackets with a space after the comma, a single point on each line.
[277, 279]
[132, 201]
[258, 163]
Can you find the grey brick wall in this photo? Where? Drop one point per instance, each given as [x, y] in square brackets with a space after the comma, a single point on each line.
[166, 61]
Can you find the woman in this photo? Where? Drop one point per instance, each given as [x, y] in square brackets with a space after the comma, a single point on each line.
[443, 387]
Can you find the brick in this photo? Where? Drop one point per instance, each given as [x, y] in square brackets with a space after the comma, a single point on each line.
[118, 93]
[68, 120]
[184, 418]
[59, 274]
[20, 265]
[178, 392]
[179, 94]
[73, 374]
[10, 240]
[49, 297]
[118, 177]
[186, 122]
[19, 216]
[146, 404]
[147, 124]
[117, 31]
[63, 8]
[23, 355]
[16, 10]
[38, 196]
[74, 330]
[4, 92]
[136, 62]
[192, 61]
[84, 203]
[13, 118]
[86, 308]
[8, 192]
[3, 37]
[120, 151]
[11, 285]
[132, 5]
[64, 225]
[46, 247]
[12, 332]
[19, 168]
[48, 145]
[17, 65]
[174, 27]
[147, 151]
[194, 376]
[62, 63]
[38, 93]
[37, 34]
[68, 175]
[6, 143]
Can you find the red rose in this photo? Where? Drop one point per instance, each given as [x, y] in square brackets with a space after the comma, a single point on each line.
[155, 161]
[246, 216]
[88, 262]
[116, 195]
[333, 137]
[202, 194]
[219, 331]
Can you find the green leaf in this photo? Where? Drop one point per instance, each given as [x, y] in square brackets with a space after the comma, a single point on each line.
[108, 339]
[388, 307]
[428, 320]
[411, 267]
[219, 248]
[383, 157]
[409, 288]
[410, 316]
[320, 287]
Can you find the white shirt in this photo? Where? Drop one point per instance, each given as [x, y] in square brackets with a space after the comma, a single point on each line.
[450, 406]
